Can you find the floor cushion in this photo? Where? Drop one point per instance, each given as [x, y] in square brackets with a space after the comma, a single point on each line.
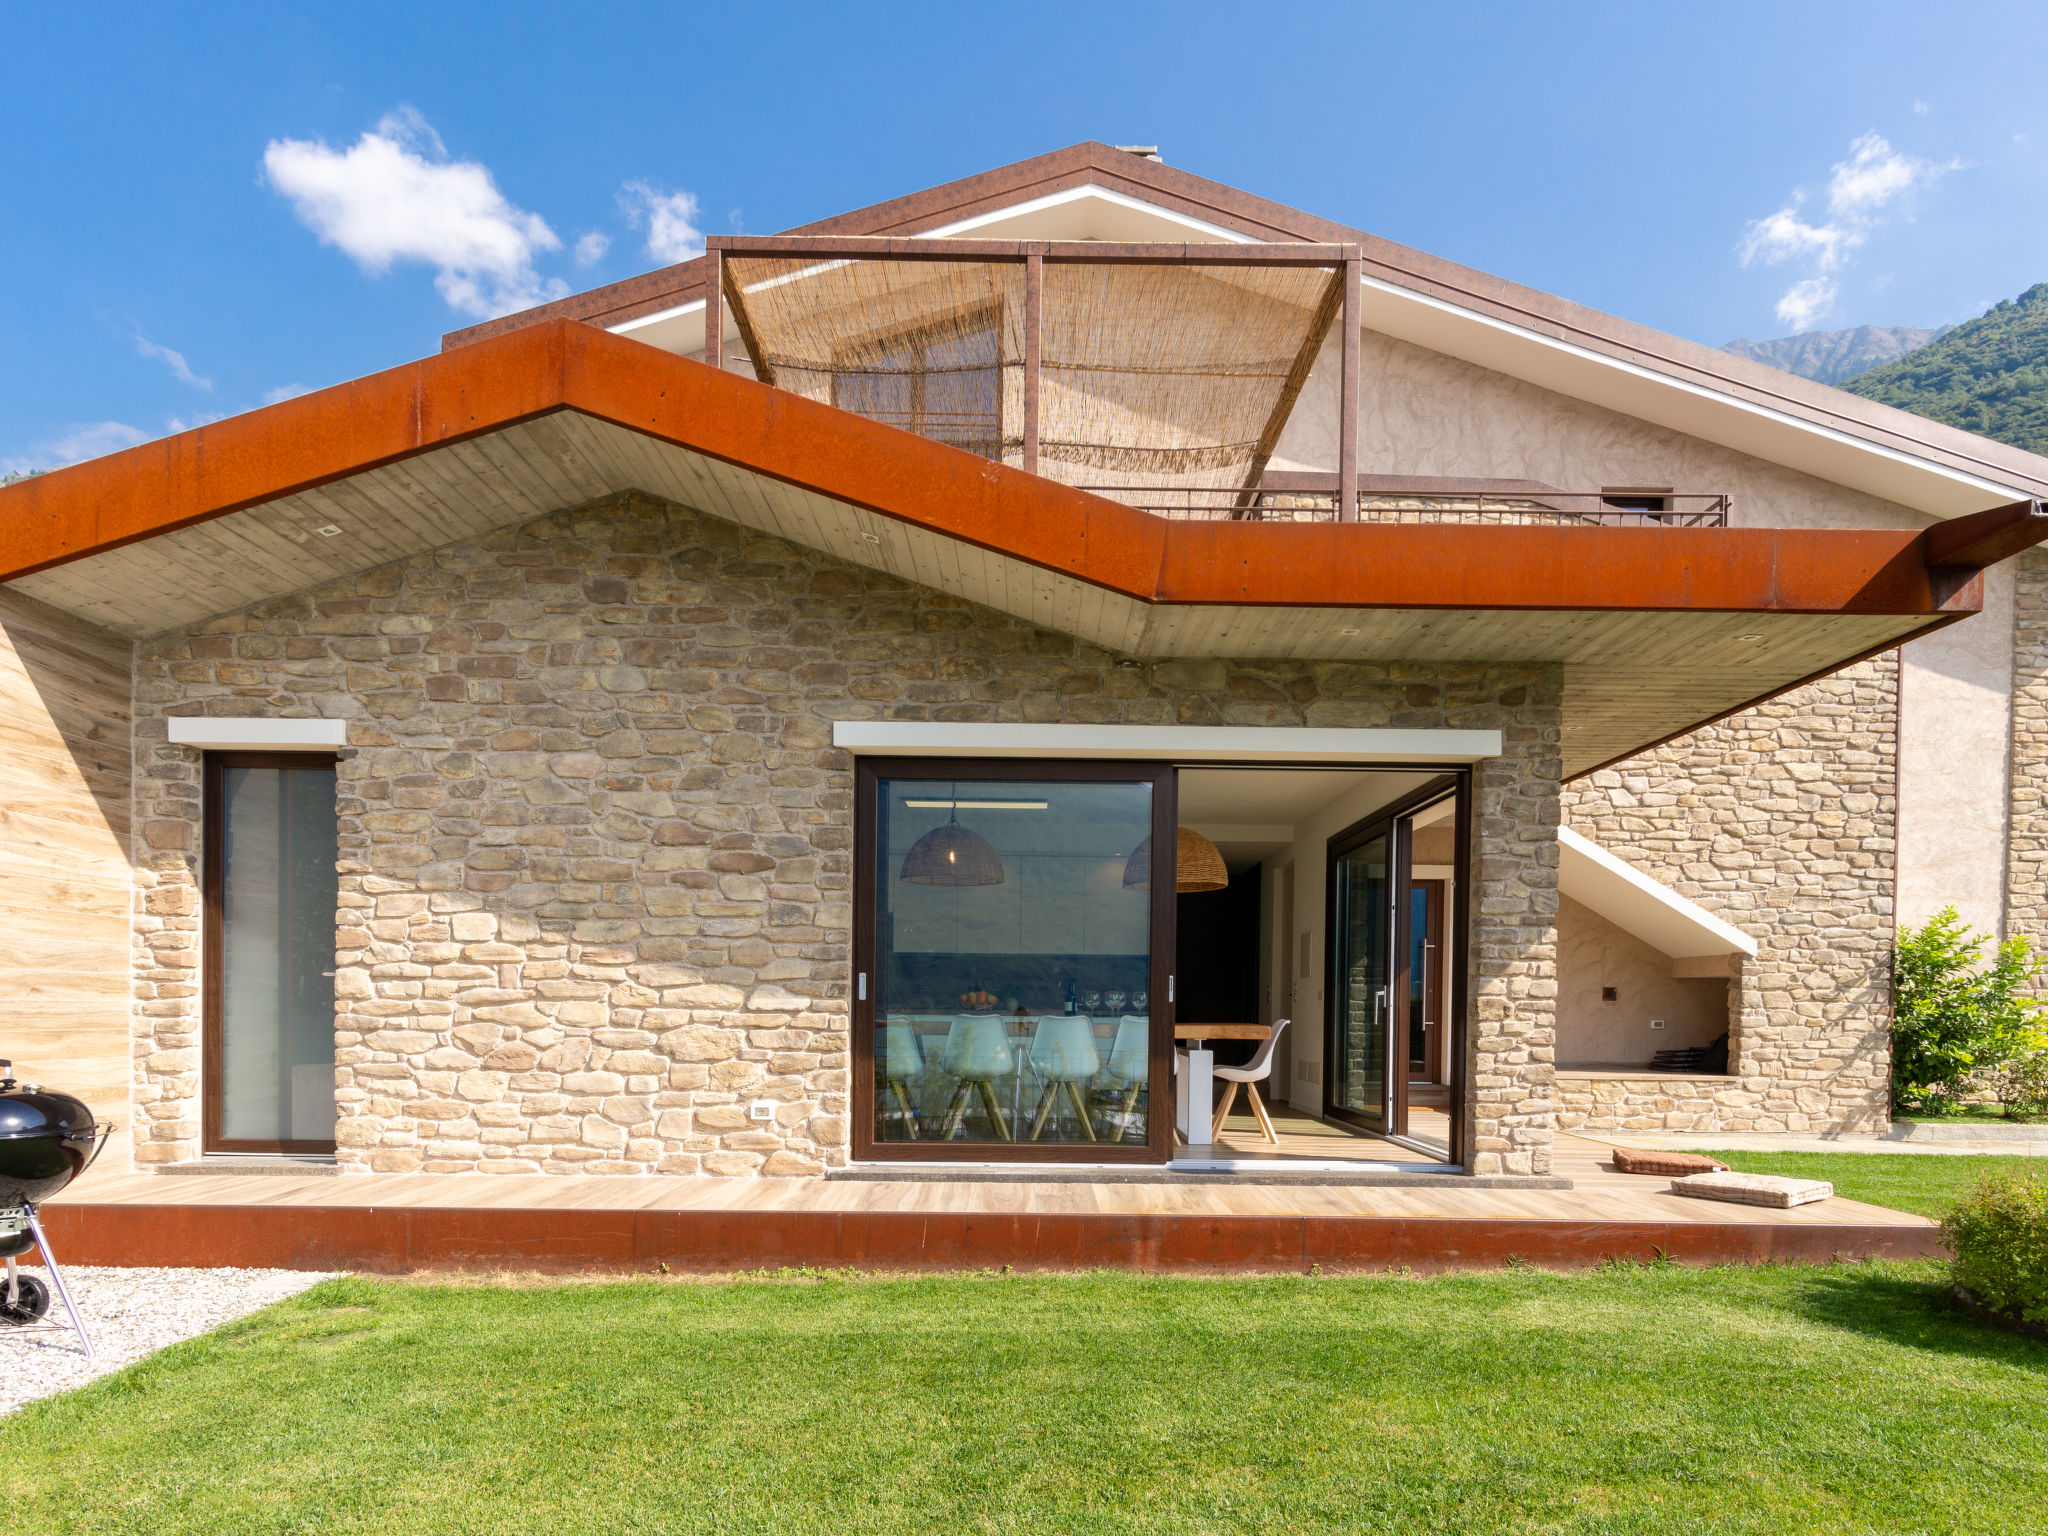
[1636, 1160]
[1753, 1189]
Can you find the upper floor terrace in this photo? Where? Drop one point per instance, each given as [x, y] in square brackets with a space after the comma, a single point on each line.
[1165, 377]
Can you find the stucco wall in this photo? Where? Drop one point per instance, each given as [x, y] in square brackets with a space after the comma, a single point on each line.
[65, 885]
[1956, 704]
[1593, 954]
[596, 882]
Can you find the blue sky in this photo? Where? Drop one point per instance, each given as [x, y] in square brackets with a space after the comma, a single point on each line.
[1718, 171]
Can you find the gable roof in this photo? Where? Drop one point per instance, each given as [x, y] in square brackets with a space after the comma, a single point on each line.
[1656, 630]
[1447, 308]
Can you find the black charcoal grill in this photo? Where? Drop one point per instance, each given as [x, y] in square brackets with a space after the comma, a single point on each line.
[46, 1140]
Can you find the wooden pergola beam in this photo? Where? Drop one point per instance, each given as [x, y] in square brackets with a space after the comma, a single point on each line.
[1328, 307]
[1084, 252]
[741, 317]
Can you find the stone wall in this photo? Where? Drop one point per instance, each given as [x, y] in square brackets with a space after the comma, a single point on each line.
[1617, 1102]
[2026, 895]
[1511, 1039]
[1781, 821]
[596, 842]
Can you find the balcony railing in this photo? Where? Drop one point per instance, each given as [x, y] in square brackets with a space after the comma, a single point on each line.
[1593, 509]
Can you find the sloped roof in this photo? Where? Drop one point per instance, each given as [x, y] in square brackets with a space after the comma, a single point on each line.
[1657, 629]
[1453, 309]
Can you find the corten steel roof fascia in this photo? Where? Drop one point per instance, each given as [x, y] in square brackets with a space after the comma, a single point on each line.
[1546, 315]
[295, 445]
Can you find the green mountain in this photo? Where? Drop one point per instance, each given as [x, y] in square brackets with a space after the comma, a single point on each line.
[1988, 375]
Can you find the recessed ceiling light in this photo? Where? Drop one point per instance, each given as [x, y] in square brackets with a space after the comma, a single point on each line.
[1749, 637]
[872, 538]
[1347, 631]
[328, 531]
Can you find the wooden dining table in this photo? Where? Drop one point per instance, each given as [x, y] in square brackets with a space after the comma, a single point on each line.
[1222, 1031]
[1194, 1083]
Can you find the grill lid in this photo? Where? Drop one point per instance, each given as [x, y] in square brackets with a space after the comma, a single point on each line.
[26, 1110]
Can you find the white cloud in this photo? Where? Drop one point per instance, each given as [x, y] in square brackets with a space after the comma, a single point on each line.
[285, 392]
[1860, 189]
[591, 248]
[1806, 301]
[1921, 109]
[175, 361]
[395, 196]
[84, 442]
[670, 219]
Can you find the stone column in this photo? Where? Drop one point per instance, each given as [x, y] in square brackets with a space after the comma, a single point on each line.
[1511, 981]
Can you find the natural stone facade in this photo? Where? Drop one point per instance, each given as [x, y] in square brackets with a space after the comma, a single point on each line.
[596, 843]
[2026, 870]
[1618, 1102]
[1781, 821]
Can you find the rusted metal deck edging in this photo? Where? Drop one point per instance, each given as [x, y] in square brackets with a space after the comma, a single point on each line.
[398, 1239]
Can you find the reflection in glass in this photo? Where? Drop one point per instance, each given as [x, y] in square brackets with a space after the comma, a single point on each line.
[1363, 979]
[983, 1033]
[278, 894]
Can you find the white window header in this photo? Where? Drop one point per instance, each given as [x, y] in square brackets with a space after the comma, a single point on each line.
[1188, 744]
[258, 735]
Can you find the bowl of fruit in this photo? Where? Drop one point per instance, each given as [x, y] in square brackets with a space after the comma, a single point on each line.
[980, 1000]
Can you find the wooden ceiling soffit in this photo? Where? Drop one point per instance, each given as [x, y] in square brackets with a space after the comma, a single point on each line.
[467, 394]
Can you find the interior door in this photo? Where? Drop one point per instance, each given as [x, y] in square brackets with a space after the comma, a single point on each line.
[1425, 975]
[1364, 1067]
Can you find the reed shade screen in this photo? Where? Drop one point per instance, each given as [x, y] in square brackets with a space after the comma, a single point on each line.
[1149, 375]
[1197, 864]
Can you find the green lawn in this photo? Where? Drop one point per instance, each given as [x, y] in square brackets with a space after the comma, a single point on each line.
[1921, 1182]
[1772, 1400]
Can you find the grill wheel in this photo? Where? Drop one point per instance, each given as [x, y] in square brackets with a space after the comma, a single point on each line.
[31, 1301]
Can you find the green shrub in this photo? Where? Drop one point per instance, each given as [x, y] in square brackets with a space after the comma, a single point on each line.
[1999, 1236]
[1949, 1019]
[2021, 1087]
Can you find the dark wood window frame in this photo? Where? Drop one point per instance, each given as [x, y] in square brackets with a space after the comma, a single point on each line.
[1458, 784]
[212, 828]
[1160, 775]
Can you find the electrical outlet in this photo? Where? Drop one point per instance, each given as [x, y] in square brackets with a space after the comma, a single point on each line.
[764, 1109]
[1656, 1023]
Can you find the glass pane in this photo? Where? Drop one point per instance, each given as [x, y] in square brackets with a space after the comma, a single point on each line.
[1419, 957]
[1012, 961]
[279, 891]
[1363, 979]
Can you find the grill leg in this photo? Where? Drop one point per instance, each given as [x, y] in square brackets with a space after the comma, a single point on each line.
[56, 1279]
[13, 1280]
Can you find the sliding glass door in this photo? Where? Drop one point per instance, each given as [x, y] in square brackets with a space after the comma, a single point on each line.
[271, 894]
[1364, 910]
[1013, 936]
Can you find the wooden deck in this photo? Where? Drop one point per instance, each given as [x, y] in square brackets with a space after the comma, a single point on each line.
[412, 1221]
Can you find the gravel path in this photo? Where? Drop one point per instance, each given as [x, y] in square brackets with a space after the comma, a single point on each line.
[129, 1313]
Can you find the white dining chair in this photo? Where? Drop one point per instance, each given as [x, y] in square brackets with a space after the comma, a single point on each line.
[1250, 1075]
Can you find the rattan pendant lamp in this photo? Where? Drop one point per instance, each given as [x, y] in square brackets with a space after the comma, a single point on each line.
[1197, 866]
[952, 855]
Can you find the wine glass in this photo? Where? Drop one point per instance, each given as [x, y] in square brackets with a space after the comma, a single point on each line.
[1115, 1001]
[1091, 1002]
[1139, 999]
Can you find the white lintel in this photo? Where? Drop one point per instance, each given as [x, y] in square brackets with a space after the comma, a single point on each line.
[1639, 905]
[240, 735]
[1178, 743]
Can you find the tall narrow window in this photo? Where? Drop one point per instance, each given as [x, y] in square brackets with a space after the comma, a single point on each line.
[271, 894]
